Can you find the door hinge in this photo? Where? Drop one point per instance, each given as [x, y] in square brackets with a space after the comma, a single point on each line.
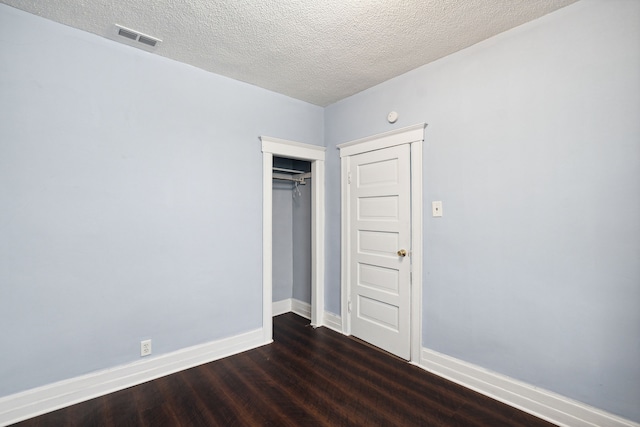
[349, 306]
[349, 177]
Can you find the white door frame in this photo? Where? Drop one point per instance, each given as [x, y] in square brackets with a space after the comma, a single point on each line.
[316, 155]
[413, 135]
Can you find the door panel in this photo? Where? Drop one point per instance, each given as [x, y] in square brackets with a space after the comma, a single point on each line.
[378, 312]
[380, 226]
[376, 277]
[377, 173]
[379, 243]
[378, 208]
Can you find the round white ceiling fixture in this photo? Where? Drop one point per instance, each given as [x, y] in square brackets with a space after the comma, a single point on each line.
[392, 117]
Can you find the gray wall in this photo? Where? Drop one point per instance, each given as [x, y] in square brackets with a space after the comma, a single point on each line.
[533, 145]
[301, 224]
[291, 242]
[130, 201]
[282, 247]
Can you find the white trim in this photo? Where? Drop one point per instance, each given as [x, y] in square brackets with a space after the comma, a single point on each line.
[413, 135]
[301, 308]
[281, 307]
[292, 149]
[316, 155]
[416, 249]
[267, 245]
[379, 141]
[344, 245]
[292, 305]
[48, 398]
[333, 321]
[544, 404]
[317, 241]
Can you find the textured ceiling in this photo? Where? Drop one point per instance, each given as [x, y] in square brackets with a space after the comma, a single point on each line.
[319, 51]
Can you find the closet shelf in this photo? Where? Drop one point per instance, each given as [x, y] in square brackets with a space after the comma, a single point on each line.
[299, 178]
[291, 171]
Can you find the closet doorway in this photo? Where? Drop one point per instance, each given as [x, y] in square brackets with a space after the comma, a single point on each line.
[291, 285]
[293, 152]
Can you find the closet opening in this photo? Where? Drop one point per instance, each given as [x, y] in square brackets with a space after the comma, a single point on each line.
[303, 156]
[292, 189]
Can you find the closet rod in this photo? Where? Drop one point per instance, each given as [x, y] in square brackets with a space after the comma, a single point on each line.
[284, 177]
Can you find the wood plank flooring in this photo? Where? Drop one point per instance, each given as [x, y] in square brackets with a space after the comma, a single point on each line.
[307, 377]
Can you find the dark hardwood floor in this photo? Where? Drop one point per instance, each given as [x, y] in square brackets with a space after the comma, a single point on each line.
[307, 377]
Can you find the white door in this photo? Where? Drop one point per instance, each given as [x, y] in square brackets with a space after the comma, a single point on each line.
[380, 247]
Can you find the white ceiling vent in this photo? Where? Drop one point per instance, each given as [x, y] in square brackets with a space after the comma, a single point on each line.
[136, 38]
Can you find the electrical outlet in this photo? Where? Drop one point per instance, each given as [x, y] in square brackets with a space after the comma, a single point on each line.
[145, 348]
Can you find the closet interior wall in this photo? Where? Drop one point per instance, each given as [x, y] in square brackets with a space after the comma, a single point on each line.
[292, 234]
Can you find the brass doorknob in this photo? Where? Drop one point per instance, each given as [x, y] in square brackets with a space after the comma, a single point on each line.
[402, 253]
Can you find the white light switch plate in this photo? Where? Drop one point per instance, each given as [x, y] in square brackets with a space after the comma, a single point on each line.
[436, 208]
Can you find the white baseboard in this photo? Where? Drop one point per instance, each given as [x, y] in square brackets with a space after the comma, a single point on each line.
[332, 321]
[37, 401]
[539, 402]
[544, 404]
[281, 307]
[301, 308]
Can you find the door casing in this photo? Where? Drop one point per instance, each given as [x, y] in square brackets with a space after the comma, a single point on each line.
[413, 135]
[316, 155]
